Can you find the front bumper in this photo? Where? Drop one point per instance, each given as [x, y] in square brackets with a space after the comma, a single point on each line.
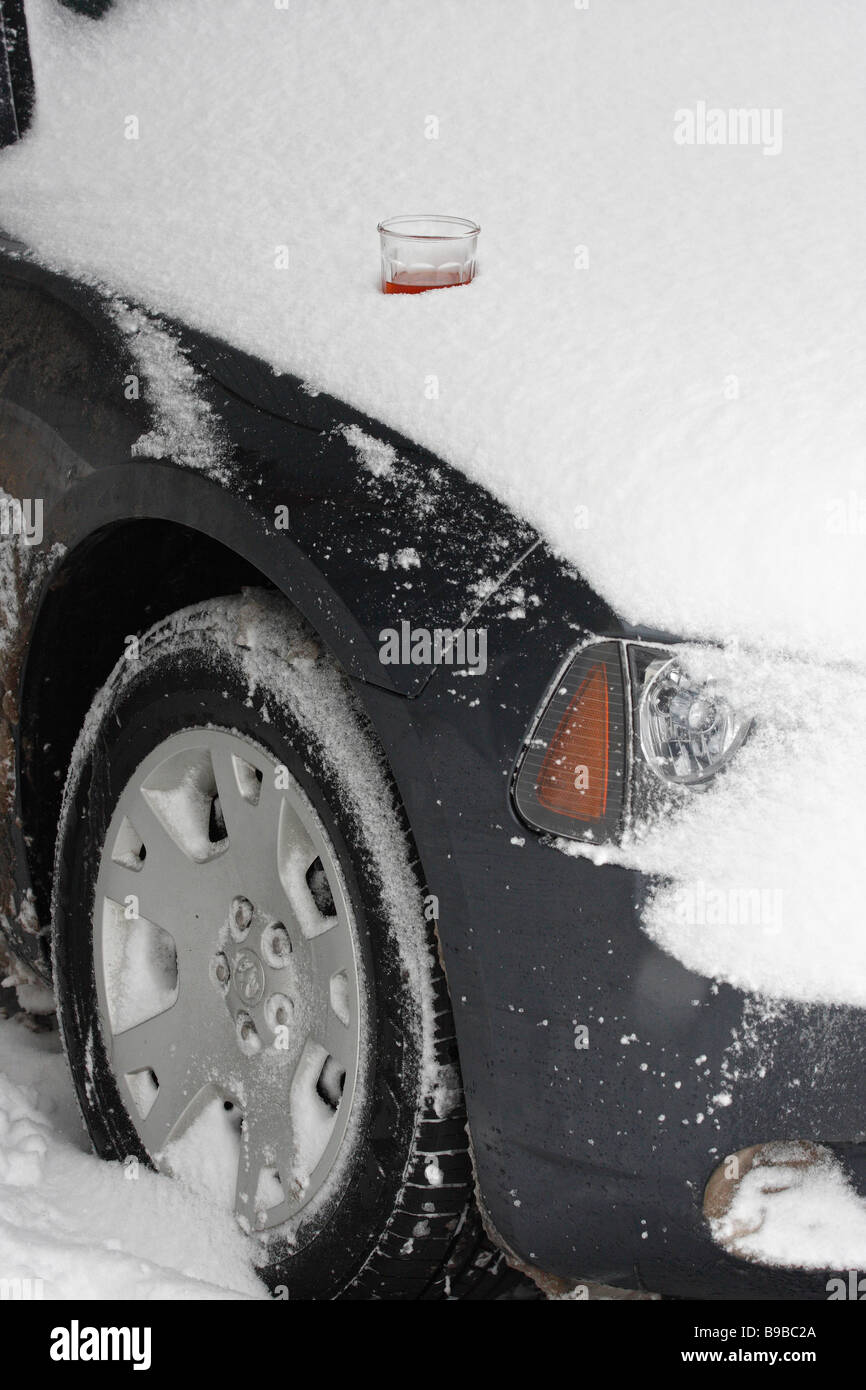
[592, 1159]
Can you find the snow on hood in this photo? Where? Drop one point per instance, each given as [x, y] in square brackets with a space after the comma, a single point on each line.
[661, 362]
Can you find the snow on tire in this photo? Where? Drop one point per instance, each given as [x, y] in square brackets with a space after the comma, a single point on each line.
[249, 993]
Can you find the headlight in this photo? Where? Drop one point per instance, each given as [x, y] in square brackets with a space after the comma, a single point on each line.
[622, 721]
[571, 776]
[687, 731]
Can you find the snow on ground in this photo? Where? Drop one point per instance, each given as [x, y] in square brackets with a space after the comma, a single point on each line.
[661, 361]
[89, 1229]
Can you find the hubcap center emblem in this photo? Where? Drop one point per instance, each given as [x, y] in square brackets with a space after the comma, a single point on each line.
[249, 977]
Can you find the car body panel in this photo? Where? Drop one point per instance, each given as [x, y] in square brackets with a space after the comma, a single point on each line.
[591, 1160]
[75, 417]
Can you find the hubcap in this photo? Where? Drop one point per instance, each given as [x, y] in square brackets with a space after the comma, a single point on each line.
[227, 975]
[249, 977]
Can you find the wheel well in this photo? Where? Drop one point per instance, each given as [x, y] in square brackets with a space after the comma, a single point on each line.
[118, 583]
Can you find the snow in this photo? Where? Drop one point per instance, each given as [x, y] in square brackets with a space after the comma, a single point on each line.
[660, 360]
[314, 1120]
[379, 457]
[93, 1230]
[205, 1156]
[277, 653]
[31, 994]
[659, 363]
[186, 427]
[759, 876]
[140, 964]
[184, 811]
[256, 632]
[804, 1215]
[433, 1173]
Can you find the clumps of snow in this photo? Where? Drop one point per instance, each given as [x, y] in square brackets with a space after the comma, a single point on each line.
[447, 1092]
[375, 455]
[498, 593]
[749, 1054]
[28, 917]
[22, 1139]
[413, 488]
[511, 596]
[482, 589]
[313, 1119]
[757, 878]
[407, 559]
[33, 996]
[140, 963]
[795, 1211]
[186, 428]
[205, 1156]
[184, 811]
[433, 1173]
[80, 1228]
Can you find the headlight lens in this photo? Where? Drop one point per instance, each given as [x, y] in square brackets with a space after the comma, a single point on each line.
[687, 730]
[624, 726]
[571, 774]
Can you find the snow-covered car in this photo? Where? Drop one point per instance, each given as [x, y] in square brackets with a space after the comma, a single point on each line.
[395, 882]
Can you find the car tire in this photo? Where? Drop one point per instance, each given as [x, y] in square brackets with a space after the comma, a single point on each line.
[208, 703]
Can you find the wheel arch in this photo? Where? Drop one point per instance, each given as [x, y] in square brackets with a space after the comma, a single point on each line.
[82, 626]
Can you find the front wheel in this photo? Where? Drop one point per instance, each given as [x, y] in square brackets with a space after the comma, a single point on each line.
[248, 990]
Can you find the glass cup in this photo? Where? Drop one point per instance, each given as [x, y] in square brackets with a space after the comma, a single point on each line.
[427, 252]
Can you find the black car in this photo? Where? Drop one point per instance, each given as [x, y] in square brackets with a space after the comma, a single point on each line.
[280, 812]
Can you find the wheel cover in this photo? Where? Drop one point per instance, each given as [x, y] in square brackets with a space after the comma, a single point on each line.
[228, 975]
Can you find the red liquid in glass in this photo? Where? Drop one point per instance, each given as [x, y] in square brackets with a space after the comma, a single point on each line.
[417, 281]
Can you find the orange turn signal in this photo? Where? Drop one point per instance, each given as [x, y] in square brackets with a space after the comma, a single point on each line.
[574, 774]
